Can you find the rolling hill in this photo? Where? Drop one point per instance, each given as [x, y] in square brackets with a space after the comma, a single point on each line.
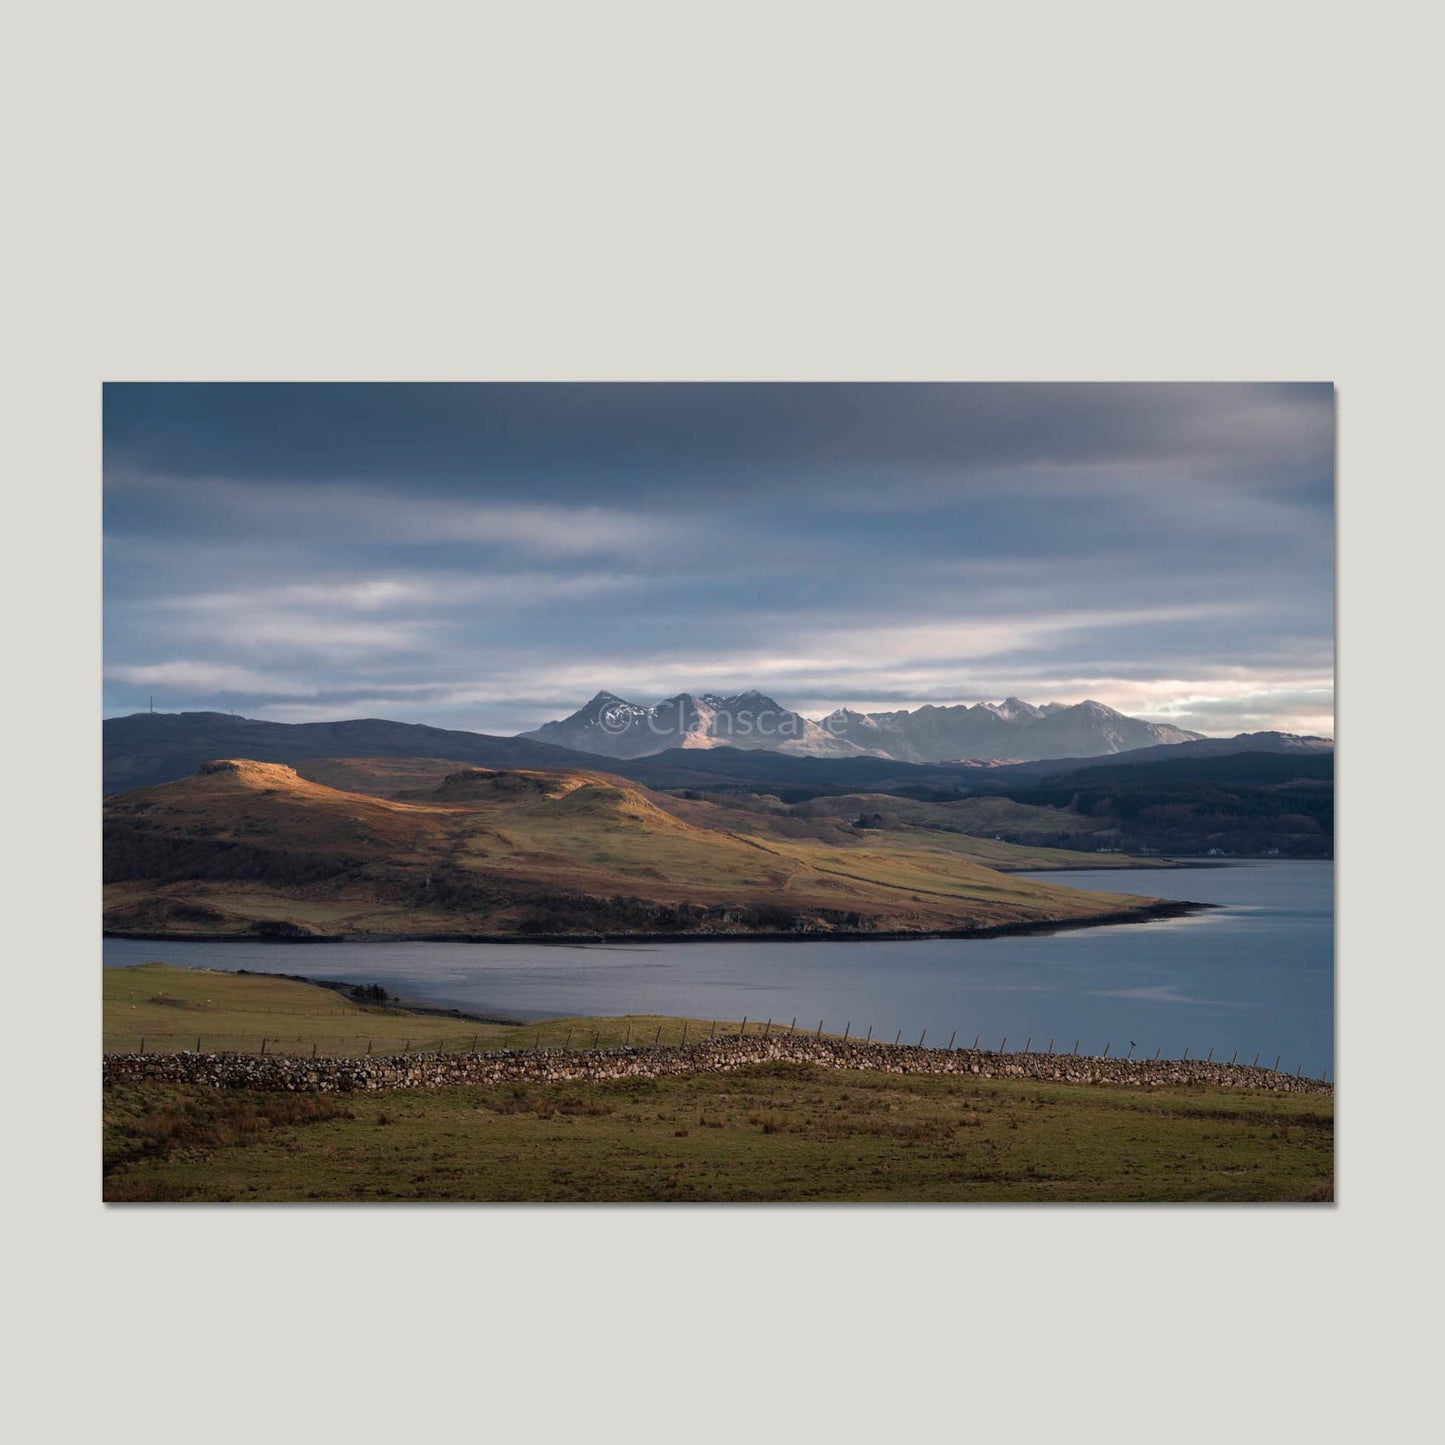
[1227, 756]
[250, 848]
[148, 748]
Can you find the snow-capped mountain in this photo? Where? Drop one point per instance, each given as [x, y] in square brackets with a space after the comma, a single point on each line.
[616, 728]
[1013, 729]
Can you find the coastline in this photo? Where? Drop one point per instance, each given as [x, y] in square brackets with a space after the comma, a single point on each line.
[394, 1002]
[1153, 912]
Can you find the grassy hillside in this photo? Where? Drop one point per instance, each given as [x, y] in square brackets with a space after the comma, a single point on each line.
[379, 777]
[1039, 829]
[171, 1009]
[256, 848]
[1036, 837]
[1242, 769]
[774, 1132]
[1291, 819]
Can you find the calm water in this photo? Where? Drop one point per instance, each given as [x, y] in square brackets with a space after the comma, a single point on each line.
[1256, 975]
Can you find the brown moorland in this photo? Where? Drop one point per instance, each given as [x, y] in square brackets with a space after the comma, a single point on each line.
[242, 847]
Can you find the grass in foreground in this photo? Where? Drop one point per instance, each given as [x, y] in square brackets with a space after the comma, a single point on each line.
[774, 1132]
[171, 1008]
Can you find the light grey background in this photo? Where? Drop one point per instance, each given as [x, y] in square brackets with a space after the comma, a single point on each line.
[1111, 191]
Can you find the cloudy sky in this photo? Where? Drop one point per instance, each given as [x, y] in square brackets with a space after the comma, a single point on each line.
[489, 557]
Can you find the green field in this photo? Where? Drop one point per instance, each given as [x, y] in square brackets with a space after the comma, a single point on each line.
[170, 1009]
[773, 1132]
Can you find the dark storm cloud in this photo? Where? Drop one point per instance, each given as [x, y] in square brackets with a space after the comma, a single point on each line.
[453, 436]
[490, 556]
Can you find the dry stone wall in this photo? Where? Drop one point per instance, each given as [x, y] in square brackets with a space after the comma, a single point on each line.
[718, 1056]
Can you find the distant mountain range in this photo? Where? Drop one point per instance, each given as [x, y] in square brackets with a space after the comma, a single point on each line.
[612, 727]
[1013, 730]
[149, 748]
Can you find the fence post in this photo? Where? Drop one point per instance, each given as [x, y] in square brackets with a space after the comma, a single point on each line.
[975, 1043]
[597, 1037]
[1051, 1048]
[198, 1043]
[474, 1043]
[921, 1038]
[1076, 1048]
[744, 1028]
[869, 1039]
[793, 1027]
[1255, 1064]
[1277, 1058]
[369, 1043]
[1026, 1046]
[1210, 1059]
[1185, 1059]
[896, 1037]
[819, 1034]
[684, 1032]
[658, 1039]
[767, 1028]
[568, 1044]
[314, 1042]
[628, 1040]
[142, 1045]
[1003, 1045]
[847, 1029]
[263, 1048]
[1156, 1054]
[951, 1038]
[1130, 1054]
[1106, 1051]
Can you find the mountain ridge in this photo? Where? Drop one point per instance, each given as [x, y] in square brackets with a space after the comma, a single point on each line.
[613, 727]
[1013, 730]
[145, 749]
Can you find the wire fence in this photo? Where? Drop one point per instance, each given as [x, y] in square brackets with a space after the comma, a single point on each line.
[423, 1036]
